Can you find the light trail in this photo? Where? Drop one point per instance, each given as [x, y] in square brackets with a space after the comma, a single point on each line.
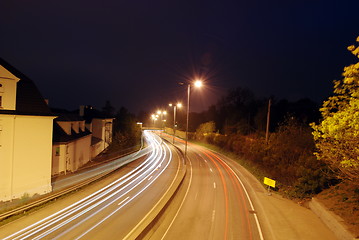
[135, 177]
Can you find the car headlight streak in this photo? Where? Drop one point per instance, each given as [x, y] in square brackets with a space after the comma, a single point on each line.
[112, 193]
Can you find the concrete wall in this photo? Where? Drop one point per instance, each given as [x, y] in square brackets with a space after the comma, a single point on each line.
[96, 149]
[25, 155]
[180, 134]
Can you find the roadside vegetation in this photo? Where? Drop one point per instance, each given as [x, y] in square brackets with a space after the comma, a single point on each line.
[126, 135]
[311, 150]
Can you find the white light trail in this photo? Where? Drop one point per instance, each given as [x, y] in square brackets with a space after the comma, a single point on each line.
[135, 176]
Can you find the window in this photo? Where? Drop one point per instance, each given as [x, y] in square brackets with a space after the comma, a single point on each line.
[57, 151]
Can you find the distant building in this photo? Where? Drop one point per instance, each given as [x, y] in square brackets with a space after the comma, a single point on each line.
[101, 127]
[26, 124]
[78, 137]
[71, 143]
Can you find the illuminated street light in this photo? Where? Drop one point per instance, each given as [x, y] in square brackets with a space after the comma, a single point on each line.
[161, 113]
[179, 105]
[154, 118]
[197, 84]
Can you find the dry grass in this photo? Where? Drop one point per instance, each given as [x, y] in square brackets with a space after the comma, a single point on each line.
[343, 199]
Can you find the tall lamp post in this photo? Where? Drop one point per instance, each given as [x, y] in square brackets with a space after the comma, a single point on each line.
[161, 113]
[179, 105]
[197, 84]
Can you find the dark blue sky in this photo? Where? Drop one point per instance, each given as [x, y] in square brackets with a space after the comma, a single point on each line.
[134, 53]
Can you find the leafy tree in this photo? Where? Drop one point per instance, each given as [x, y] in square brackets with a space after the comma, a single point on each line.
[337, 135]
[205, 128]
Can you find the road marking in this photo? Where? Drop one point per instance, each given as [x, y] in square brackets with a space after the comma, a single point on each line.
[214, 185]
[247, 195]
[150, 178]
[184, 198]
[210, 169]
[123, 201]
[213, 215]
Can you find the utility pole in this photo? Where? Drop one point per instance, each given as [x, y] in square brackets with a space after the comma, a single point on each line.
[268, 119]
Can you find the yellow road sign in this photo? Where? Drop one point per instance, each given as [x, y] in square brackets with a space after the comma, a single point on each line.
[269, 182]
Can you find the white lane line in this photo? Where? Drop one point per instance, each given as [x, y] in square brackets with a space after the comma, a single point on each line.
[213, 215]
[249, 200]
[214, 185]
[96, 212]
[123, 201]
[138, 193]
[179, 209]
[210, 169]
[163, 196]
[150, 178]
[82, 203]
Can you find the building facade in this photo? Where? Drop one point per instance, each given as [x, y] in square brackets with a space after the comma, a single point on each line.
[71, 144]
[26, 125]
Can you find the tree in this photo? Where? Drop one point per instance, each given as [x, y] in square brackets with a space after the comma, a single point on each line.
[337, 135]
[108, 109]
[205, 128]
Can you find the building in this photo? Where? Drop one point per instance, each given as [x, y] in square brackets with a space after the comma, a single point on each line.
[71, 143]
[101, 127]
[78, 137]
[26, 124]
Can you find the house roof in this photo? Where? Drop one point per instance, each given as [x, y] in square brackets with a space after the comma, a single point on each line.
[60, 136]
[29, 100]
[65, 115]
[90, 113]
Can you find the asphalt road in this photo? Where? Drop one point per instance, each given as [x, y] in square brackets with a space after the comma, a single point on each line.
[212, 203]
[115, 210]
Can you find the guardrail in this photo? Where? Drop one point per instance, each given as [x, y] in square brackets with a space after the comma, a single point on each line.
[55, 195]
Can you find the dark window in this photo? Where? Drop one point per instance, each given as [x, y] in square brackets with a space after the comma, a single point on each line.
[57, 151]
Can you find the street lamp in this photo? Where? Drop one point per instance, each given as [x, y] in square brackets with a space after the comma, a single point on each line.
[161, 113]
[154, 118]
[179, 105]
[197, 84]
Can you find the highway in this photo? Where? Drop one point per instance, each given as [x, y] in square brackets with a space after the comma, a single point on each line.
[160, 195]
[117, 210]
[212, 203]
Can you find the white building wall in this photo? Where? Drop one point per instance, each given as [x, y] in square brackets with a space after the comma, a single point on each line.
[7, 89]
[25, 156]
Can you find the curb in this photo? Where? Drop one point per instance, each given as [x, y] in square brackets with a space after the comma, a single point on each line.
[153, 213]
[331, 220]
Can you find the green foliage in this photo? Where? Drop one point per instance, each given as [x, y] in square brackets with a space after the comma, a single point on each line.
[288, 157]
[337, 135]
[126, 131]
[205, 129]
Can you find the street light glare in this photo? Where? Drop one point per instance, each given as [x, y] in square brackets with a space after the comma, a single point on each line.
[198, 83]
[179, 105]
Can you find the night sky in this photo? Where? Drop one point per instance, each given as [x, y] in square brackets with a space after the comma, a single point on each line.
[135, 53]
